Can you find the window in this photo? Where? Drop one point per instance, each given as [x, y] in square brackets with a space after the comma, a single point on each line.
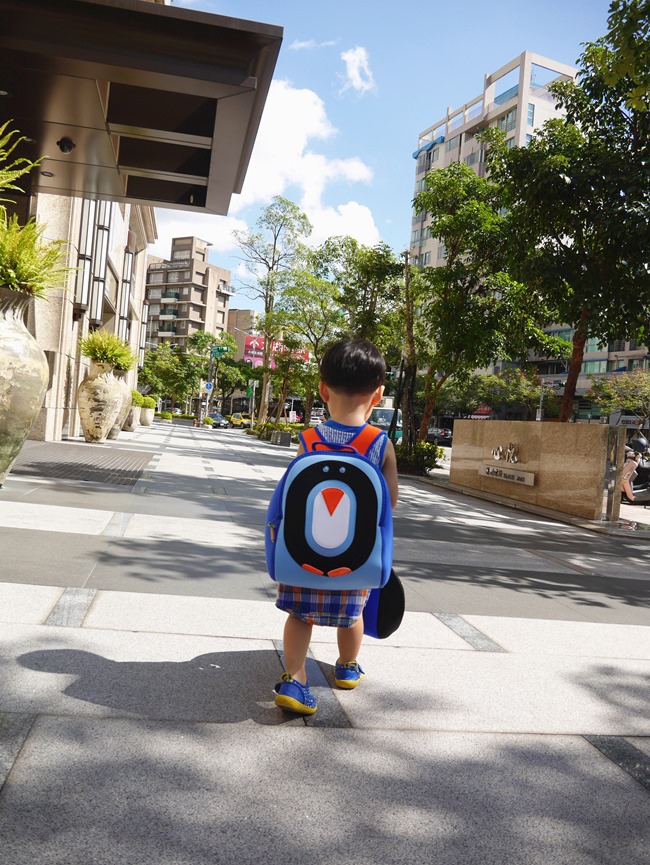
[531, 114]
[529, 138]
[180, 253]
[634, 344]
[426, 259]
[155, 277]
[593, 344]
[85, 256]
[590, 367]
[435, 154]
[442, 252]
[510, 142]
[508, 121]
[453, 143]
[619, 345]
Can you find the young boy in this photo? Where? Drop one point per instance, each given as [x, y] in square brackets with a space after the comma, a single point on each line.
[352, 382]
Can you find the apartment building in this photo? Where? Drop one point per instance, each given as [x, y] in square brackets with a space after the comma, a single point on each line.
[516, 99]
[185, 293]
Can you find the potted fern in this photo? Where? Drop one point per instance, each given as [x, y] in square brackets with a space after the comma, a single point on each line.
[29, 267]
[99, 396]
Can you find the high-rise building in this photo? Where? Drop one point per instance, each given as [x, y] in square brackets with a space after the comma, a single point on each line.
[186, 294]
[515, 98]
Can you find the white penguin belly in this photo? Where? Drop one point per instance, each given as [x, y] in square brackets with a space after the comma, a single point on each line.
[331, 518]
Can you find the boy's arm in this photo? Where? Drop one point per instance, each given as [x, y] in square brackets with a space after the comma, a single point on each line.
[389, 470]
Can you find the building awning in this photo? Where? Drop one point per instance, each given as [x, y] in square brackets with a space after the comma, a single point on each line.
[428, 146]
[161, 104]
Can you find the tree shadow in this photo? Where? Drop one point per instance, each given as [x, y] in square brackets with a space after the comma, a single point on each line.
[134, 791]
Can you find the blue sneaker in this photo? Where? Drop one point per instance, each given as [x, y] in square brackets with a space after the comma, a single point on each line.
[295, 697]
[348, 675]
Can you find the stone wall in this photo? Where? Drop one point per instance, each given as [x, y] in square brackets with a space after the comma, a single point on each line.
[561, 467]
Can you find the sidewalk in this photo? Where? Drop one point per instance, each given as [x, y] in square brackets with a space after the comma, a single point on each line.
[506, 722]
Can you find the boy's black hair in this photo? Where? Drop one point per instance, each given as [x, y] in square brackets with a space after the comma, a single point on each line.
[354, 366]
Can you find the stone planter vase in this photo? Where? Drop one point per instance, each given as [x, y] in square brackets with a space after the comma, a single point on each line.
[24, 374]
[127, 399]
[132, 421]
[146, 416]
[99, 399]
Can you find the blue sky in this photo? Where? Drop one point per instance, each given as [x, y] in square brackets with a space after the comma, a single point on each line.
[354, 85]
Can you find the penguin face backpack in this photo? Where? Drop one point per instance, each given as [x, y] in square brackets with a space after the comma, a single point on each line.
[329, 524]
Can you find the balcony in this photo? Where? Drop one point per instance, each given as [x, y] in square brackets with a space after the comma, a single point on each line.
[164, 329]
[168, 313]
[171, 295]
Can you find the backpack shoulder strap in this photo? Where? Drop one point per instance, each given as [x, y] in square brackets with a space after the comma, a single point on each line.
[310, 438]
[365, 438]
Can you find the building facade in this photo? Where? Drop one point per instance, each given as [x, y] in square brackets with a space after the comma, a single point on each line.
[515, 98]
[106, 246]
[185, 294]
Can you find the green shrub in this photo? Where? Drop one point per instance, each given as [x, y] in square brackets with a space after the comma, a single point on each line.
[208, 421]
[166, 415]
[425, 456]
[148, 402]
[137, 398]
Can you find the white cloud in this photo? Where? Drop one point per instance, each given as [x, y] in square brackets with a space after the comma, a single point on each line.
[358, 75]
[284, 162]
[217, 230]
[301, 45]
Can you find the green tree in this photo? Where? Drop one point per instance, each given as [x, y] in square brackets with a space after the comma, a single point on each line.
[170, 372]
[471, 312]
[269, 255]
[628, 391]
[311, 311]
[578, 201]
[370, 283]
[624, 54]
[233, 375]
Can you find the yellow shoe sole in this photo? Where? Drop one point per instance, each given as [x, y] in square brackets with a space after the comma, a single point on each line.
[292, 705]
[347, 684]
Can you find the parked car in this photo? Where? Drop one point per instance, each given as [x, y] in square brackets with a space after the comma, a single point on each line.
[240, 419]
[439, 436]
[219, 421]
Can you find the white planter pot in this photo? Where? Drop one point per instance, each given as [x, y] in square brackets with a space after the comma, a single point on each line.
[132, 421]
[24, 374]
[116, 429]
[146, 416]
[99, 399]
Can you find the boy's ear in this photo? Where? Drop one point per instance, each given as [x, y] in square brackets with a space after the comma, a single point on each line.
[323, 391]
[376, 397]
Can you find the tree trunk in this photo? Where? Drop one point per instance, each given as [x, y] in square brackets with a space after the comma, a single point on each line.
[579, 340]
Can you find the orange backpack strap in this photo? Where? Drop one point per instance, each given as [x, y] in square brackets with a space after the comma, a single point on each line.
[310, 437]
[365, 438]
[362, 441]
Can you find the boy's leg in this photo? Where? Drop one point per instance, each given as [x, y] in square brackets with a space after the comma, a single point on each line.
[349, 640]
[297, 636]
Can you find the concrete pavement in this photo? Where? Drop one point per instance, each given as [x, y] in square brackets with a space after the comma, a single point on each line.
[506, 722]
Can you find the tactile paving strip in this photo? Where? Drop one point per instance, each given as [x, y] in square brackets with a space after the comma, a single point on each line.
[81, 462]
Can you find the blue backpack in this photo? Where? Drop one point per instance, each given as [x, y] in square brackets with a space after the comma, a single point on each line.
[329, 524]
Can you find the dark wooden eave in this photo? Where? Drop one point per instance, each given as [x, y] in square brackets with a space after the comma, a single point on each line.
[162, 104]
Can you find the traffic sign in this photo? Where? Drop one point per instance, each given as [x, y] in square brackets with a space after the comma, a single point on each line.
[219, 350]
[208, 385]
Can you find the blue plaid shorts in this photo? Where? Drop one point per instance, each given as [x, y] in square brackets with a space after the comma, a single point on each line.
[332, 609]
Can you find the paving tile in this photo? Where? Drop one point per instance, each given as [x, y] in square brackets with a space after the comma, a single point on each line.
[127, 791]
[27, 604]
[589, 639]
[411, 689]
[53, 518]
